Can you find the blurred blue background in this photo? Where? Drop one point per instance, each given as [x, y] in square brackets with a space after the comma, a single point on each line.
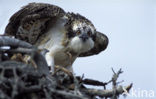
[131, 28]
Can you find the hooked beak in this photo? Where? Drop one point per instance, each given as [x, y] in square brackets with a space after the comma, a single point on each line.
[84, 37]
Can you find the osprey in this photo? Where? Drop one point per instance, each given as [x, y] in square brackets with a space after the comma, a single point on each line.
[66, 35]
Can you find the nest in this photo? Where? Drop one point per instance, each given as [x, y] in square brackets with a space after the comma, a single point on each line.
[32, 80]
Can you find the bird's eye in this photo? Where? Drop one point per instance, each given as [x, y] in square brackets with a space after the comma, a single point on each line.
[89, 33]
[78, 32]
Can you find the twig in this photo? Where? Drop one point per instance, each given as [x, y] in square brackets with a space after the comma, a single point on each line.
[95, 82]
[114, 83]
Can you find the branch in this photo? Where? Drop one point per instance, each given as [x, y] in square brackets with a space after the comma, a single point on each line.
[69, 95]
[88, 81]
[107, 93]
[9, 41]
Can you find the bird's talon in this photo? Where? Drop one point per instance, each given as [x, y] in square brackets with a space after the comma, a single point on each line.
[58, 68]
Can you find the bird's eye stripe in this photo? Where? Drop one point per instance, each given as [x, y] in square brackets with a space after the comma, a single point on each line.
[89, 33]
[78, 32]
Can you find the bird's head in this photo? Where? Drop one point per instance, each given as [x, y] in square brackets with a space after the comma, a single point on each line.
[81, 34]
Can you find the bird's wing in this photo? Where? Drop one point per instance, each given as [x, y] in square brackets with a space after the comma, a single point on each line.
[100, 44]
[32, 18]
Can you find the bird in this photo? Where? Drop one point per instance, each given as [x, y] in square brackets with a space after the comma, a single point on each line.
[66, 35]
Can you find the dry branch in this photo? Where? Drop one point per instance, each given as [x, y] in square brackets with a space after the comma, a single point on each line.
[107, 93]
[12, 42]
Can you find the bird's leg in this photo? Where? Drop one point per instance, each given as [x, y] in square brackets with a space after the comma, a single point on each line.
[65, 70]
[69, 54]
[76, 85]
[76, 82]
[70, 69]
[50, 61]
[70, 57]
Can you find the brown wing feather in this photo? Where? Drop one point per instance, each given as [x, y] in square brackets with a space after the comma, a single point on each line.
[101, 42]
[29, 16]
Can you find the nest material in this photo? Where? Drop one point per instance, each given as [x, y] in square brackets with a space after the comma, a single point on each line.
[21, 80]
